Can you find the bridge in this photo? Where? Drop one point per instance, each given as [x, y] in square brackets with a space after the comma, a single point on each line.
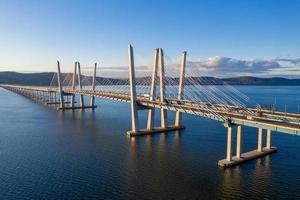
[181, 94]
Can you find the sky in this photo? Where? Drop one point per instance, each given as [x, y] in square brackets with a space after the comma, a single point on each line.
[222, 38]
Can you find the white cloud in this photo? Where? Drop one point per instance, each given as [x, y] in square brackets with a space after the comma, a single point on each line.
[219, 66]
[229, 67]
[226, 64]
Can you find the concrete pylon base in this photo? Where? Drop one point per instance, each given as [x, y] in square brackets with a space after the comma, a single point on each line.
[246, 157]
[50, 103]
[154, 130]
[77, 107]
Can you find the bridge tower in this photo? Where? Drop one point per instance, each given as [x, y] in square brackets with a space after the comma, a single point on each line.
[180, 87]
[92, 101]
[134, 101]
[60, 91]
[71, 92]
[152, 95]
[74, 84]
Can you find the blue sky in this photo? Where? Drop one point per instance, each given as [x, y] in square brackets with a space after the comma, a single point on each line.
[216, 34]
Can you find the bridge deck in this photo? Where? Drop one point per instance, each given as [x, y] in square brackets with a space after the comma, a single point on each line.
[275, 121]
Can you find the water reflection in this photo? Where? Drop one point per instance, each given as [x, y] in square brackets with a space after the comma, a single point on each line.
[177, 137]
[152, 161]
[234, 181]
[80, 120]
[161, 142]
[231, 182]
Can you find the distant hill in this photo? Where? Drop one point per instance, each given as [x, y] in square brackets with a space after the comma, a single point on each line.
[249, 80]
[38, 79]
[44, 79]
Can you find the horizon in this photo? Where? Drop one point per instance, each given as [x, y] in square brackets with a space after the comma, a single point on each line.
[149, 76]
[37, 34]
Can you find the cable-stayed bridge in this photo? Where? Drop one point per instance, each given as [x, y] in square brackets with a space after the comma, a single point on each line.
[174, 87]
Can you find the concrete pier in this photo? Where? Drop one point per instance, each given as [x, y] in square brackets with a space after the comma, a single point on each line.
[56, 103]
[239, 158]
[154, 130]
[259, 141]
[76, 107]
[246, 157]
[268, 145]
[239, 141]
[229, 148]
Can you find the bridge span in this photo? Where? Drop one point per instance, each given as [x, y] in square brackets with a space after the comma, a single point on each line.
[232, 116]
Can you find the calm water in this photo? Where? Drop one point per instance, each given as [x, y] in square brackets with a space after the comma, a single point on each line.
[85, 155]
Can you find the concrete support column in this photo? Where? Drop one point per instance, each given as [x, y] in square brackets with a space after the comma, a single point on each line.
[239, 141]
[229, 148]
[163, 113]
[92, 103]
[133, 98]
[74, 84]
[151, 113]
[268, 139]
[180, 87]
[49, 97]
[80, 86]
[259, 145]
[61, 96]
